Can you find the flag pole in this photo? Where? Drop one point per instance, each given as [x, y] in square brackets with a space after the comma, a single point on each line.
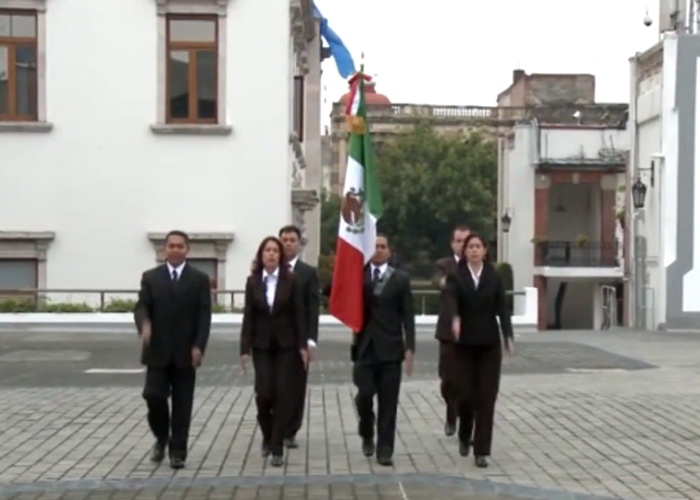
[356, 124]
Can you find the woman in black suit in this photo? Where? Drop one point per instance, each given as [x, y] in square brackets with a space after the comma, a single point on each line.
[274, 332]
[475, 298]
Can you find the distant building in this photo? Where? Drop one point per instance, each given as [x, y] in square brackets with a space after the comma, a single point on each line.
[561, 171]
[665, 158]
[386, 119]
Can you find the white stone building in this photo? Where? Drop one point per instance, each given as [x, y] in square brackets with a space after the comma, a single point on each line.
[559, 186]
[561, 175]
[120, 122]
[664, 133]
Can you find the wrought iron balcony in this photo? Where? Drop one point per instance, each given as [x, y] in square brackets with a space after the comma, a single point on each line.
[576, 254]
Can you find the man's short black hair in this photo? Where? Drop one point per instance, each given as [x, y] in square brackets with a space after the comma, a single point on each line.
[291, 228]
[382, 235]
[181, 234]
[458, 227]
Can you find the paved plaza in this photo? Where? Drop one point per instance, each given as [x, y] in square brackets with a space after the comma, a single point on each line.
[582, 415]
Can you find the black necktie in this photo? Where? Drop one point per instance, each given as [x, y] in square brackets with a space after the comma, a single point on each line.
[174, 275]
[376, 274]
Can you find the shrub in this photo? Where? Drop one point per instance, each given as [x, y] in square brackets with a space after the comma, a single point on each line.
[17, 306]
[119, 306]
[113, 306]
[66, 307]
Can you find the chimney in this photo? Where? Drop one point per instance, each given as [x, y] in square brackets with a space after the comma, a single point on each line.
[518, 74]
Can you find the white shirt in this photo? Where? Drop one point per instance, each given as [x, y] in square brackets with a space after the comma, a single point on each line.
[476, 273]
[457, 258]
[382, 269]
[292, 264]
[270, 281]
[177, 270]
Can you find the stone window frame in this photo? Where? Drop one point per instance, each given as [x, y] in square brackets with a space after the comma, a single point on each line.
[218, 8]
[29, 245]
[202, 246]
[41, 125]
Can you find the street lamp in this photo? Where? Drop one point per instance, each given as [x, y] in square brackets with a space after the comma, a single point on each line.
[505, 222]
[639, 193]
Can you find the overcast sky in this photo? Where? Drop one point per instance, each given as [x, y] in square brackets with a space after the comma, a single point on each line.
[462, 52]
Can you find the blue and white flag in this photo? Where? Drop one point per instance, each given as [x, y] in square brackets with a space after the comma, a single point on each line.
[339, 52]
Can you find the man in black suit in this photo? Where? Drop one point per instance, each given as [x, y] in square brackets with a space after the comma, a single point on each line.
[307, 280]
[387, 338]
[173, 319]
[443, 328]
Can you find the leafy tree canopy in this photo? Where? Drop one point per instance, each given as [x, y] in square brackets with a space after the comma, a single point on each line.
[429, 182]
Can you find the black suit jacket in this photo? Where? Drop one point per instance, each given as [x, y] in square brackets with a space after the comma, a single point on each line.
[283, 326]
[478, 307]
[389, 319]
[179, 312]
[308, 284]
[443, 328]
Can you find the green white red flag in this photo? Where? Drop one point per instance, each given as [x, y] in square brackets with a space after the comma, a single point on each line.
[361, 208]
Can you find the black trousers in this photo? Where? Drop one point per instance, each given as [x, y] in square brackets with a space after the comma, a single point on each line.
[384, 380]
[275, 401]
[299, 385]
[477, 378]
[177, 383]
[446, 364]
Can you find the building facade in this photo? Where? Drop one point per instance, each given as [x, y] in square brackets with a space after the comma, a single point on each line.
[561, 183]
[305, 138]
[179, 125]
[663, 124]
[387, 119]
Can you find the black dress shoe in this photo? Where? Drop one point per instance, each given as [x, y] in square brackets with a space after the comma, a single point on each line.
[450, 429]
[385, 460]
[277, 461]
[177, 463]
[265, 450]
[157, 452]
[367, 447]
[463, 449]
[481, 462]
[291, 443]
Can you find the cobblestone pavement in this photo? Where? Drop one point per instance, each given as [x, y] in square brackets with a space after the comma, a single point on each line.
[582, 415]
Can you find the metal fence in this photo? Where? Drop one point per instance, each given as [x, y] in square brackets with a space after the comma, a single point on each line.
[97, 300]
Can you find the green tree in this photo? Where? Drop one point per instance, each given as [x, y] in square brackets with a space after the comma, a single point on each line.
[430, 182]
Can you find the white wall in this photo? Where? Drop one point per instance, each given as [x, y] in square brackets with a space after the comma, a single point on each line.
[580, 143]
[101, 180]
[654, 113]
[518, 188]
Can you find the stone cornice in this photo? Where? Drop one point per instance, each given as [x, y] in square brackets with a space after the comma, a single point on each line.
[214, 7]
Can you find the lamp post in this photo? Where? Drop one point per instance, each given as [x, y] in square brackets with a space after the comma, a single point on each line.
[505, 227]
[639, 193]
[505, 222]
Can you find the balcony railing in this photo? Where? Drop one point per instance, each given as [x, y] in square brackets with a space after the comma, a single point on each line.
[68, 300]
[612, 115]
[576, 254]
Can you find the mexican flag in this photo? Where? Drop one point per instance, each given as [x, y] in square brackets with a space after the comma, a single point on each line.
[360, 209]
